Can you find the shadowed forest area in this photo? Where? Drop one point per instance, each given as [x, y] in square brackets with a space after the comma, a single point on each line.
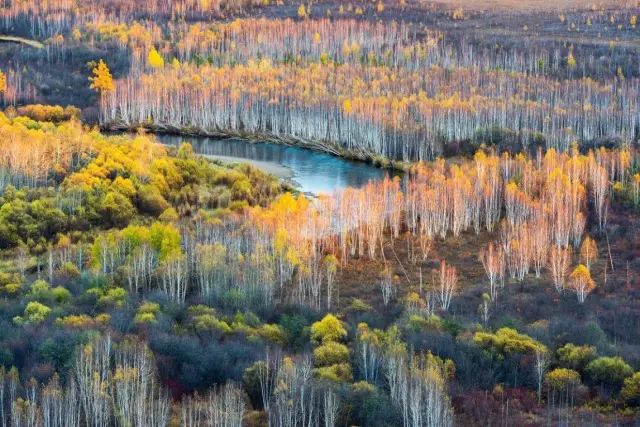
[492, 278]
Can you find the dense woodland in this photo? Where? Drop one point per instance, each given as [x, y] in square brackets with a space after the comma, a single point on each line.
[494, 281]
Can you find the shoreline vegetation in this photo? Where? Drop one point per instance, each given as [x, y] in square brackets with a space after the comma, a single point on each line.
[335, 149]
[254, 138]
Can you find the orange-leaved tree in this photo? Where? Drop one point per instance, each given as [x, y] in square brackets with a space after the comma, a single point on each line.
[588, 251]
[3, 82]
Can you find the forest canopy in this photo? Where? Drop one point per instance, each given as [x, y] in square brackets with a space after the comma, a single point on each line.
[475, 261]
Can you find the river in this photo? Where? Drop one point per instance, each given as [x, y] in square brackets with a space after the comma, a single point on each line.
[309, 171]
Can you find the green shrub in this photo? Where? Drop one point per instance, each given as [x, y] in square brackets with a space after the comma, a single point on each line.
[631, 390]
[608, 371]
[330, 353]
[34, 313]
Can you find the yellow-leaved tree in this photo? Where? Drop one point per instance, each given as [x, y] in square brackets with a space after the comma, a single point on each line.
[582, 283]
[346, 106]
[302, 11]
[154, 59]
[101, 81]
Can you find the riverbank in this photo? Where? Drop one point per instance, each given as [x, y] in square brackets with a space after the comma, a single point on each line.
[21, 40]
[309, 171]
[288, 140]
[281, 172]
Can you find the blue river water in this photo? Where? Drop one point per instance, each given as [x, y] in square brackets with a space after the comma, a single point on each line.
[310, 171]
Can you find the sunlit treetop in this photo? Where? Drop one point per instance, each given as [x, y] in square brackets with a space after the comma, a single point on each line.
[154, 59]
[102, 81]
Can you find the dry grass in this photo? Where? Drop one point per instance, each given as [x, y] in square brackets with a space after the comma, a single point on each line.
[528, 300]
[360, 278]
